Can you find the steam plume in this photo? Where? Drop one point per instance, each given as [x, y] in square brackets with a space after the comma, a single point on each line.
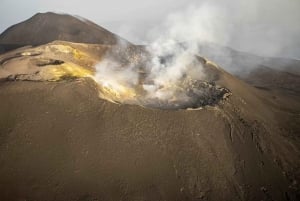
[172, 64]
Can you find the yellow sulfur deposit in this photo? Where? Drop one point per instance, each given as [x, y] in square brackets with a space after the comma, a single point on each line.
[116, 92]
[66, 70]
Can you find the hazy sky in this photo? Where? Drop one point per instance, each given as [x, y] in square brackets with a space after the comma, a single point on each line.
[267, 27]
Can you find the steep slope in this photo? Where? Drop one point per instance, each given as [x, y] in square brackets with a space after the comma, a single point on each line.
[60, 141]
[43, 28]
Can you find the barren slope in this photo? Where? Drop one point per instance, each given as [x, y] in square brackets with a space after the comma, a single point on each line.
[60, 141]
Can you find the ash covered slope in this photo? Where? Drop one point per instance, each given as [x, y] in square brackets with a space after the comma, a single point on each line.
[43, 28]
[59, 141]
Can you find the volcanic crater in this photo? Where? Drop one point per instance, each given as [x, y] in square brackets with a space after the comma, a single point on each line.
[61, 61]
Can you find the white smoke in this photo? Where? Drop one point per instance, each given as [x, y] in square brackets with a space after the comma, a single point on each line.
[206, 22]
[172, 55]
[167, 74]
[268, 28]
[111, 74]
[190, 27]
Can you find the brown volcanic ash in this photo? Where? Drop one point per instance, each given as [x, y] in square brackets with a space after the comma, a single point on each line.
[60, 141]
